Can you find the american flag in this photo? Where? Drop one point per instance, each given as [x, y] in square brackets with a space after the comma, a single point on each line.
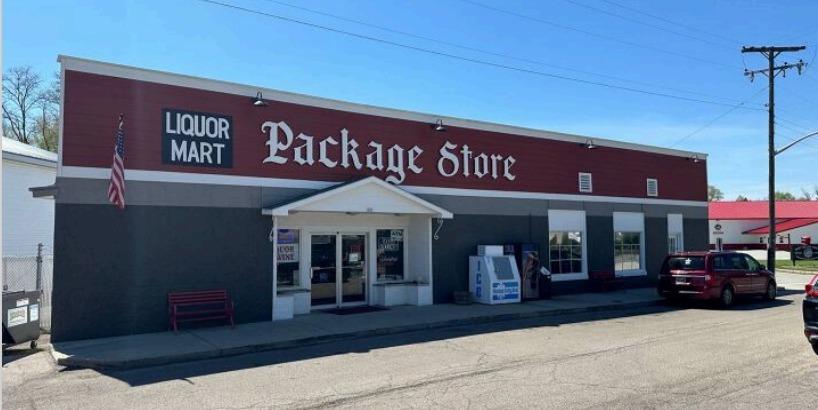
[116, 188]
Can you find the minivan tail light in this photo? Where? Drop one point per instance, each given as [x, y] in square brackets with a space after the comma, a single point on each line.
[810, 287]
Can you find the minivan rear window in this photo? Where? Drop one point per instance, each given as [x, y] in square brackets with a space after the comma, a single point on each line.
[686, 263]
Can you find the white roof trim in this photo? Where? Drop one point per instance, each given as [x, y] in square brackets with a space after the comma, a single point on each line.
[214, 179]
[160, 77]
[292, 207]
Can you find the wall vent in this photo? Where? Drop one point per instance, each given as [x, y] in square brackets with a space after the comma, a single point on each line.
[585, 182]
[653, 187]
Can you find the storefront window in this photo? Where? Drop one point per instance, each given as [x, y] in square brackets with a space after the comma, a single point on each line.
[390, 254]
[288, 258]
[627, 254]
[565, 252]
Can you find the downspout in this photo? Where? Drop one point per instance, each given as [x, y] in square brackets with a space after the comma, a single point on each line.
[274, 240]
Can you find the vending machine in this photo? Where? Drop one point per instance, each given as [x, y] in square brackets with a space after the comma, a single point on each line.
[527, 257]
[493, 277]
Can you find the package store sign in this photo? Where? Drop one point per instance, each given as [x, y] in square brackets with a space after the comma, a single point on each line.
[197, 139]
[287, 252]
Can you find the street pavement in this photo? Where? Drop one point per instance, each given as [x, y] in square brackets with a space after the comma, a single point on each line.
[152, 349]
[132, 351]
[690, 356]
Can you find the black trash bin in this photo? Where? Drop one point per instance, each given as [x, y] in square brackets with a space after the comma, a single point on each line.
[545, 283]
[21, 317]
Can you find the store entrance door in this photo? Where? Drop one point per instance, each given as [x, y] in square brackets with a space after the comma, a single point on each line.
[338, 269]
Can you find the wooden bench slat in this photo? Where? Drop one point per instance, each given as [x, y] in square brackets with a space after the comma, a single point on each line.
[198, 306]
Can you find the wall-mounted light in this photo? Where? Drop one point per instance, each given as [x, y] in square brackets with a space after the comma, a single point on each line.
[695, 158]
[438, 126]
[258, 101]
[589, 143]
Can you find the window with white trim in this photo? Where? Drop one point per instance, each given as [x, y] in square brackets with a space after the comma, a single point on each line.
[653, 187]
[675, 233]
[629, 243]
[567, 249]
[585, 182]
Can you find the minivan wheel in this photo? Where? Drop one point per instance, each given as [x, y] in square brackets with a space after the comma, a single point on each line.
[815, 348]
[726, 297]
[771, 291]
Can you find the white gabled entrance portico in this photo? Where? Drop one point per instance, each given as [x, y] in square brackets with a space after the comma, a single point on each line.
[365, 242]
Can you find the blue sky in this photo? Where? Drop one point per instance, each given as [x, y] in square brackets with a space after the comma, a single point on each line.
[483, 59]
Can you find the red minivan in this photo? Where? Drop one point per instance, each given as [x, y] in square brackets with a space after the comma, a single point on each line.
[714, 275]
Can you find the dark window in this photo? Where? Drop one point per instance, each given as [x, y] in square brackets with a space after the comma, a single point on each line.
[686, 263]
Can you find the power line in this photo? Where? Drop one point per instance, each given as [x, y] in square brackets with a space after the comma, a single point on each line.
[734, 41]
[619, 16]
[472, 60]
[491, 53]
[756, 94]
[609, 38]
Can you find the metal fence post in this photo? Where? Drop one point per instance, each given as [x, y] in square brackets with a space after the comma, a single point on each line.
[39, 284]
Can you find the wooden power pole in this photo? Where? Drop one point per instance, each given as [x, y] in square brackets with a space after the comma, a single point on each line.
[771, 53]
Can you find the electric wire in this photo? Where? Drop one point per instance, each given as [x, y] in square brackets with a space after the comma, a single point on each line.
[619, 16]
[468, 59]
[491, 53]
[732, 40]
[756, 94]
[602, 36]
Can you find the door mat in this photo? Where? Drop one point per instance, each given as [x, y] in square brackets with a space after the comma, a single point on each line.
[354, 310]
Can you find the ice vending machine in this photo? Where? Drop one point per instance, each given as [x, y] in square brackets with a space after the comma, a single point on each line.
[493, 277]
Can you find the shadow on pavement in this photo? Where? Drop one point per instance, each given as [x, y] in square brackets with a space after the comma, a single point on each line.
[185, 371]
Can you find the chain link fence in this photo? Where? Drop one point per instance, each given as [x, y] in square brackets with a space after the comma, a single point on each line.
[31, 273]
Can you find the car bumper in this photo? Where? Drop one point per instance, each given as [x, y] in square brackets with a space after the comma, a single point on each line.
[701, 293]
[811, 332]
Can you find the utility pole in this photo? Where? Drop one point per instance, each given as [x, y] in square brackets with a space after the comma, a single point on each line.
[771, 53]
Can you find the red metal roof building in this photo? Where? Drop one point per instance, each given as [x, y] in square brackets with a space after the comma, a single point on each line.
[745, 224]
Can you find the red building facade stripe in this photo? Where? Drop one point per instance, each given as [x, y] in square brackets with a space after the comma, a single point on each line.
[514, 162]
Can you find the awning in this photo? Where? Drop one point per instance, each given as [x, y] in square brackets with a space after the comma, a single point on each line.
[782, 226]
[369, 195]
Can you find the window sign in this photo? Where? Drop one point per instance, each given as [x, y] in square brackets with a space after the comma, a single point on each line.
[390, 254]
[288, 257]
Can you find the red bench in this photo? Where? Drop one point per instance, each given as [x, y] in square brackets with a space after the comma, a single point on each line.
[197, 306]
[604, 280]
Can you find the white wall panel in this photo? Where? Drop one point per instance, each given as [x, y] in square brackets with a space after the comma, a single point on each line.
[27, 221]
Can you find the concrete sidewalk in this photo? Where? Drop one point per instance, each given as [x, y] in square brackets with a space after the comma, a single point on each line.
[127, 352]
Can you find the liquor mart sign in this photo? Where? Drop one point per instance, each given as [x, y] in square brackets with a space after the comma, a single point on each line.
[197, 139]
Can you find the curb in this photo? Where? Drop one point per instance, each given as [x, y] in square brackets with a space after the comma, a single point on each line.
[96, 364]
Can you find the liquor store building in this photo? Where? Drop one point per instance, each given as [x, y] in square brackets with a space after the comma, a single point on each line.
[294, 203]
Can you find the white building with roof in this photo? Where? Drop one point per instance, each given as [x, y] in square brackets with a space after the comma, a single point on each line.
[27, 221]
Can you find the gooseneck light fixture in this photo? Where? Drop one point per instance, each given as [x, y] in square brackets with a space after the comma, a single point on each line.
[258, 101]
[589, 143]
[438, 126]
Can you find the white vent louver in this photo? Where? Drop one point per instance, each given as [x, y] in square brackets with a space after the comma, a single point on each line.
[653, 187]
[585, 182]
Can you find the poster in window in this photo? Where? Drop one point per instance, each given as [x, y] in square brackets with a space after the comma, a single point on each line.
[390, 254]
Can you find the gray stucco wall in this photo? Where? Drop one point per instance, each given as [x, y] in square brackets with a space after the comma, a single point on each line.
[113, 269]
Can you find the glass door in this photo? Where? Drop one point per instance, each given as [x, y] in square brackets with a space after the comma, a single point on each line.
[353, 269]
[338, 269]
[323, 270]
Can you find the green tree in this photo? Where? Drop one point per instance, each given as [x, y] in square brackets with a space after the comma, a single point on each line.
[784, 196]
[741, 198]
[714, 194]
